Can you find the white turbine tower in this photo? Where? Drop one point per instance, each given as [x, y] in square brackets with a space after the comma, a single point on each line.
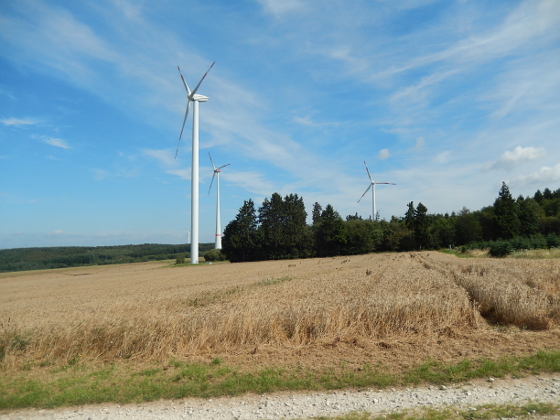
[218, 244]
[372, 184]
[195, 99]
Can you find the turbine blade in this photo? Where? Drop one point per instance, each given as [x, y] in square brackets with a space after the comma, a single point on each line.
[386, 183]
[212, 162]
[210, 187]
[368, 174]
[365, 192]
[182, 127]
[191, 94]
[184, 83]
[223, 166]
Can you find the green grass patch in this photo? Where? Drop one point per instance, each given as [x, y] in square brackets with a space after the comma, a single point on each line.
[79, 383]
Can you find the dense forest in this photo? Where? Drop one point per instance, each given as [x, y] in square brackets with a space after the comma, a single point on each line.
[19, 259]
[279, 229]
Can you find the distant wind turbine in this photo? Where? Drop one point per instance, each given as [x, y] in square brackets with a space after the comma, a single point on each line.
[195, 99]
[372, 184]
[218, 244]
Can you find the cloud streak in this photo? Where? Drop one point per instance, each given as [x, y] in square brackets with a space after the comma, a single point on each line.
[18, 122]
[57, 143]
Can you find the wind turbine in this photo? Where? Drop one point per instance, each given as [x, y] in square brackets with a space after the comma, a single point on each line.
[372, 184]
[195, 98]
[218, 244]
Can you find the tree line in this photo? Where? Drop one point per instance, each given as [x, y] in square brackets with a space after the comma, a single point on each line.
[278, 229]
[20, 259]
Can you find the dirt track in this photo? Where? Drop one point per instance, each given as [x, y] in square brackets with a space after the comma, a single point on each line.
[463, 397]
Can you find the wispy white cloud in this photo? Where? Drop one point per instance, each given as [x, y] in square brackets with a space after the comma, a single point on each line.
[544, 176]
[420, 144]
[251, 181]
[281, 7]
[443, 157]
[100, 174]
[308, 121]
[57, 143]
[131, 10]
[164, 156]
[53, 37]
[529, 23]
[181, 173]
[419, 90]
[509, 159]
[18, 121]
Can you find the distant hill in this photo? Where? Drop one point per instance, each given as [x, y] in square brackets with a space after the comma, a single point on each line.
[22, 259]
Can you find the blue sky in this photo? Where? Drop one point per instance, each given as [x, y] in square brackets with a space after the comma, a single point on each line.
[446, 99]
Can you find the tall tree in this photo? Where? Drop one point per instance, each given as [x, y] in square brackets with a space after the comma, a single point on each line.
[316, 214]
[409, 216]
[538, 197]
[294, 226]
[422, 226]
[282, 226]
[443, 231]
[271, 220]
[240, 242]
[467, 227]
[529, 212]
[331, 233]
[361, 236]
[506, 214]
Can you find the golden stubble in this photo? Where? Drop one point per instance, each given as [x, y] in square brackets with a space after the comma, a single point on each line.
[151, 311]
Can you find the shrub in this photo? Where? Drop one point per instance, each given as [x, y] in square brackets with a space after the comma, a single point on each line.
[214, 255]
[553, 241]
[539, 242]
[500, 249]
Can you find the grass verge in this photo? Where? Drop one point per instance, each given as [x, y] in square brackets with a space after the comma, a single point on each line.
[80, 383]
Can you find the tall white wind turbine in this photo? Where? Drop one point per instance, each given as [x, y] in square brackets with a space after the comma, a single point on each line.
[193, 97]
[372, 184]
[216, 174]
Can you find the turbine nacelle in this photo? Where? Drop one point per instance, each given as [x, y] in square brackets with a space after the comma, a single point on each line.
[199, 98]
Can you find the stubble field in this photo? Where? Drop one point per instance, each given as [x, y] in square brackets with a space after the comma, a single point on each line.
[394, 310]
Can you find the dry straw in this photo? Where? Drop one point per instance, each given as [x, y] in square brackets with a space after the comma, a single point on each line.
[137, 311]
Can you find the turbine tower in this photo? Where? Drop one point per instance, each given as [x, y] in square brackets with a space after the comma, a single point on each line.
[218, 244]
[195, 99]
[372, 184]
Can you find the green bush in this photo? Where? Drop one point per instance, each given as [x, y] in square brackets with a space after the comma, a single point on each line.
[500, 249]
[214, 255]
[539, 242]
[553, 241]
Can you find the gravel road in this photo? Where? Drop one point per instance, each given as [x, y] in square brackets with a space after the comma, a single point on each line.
[306, 405]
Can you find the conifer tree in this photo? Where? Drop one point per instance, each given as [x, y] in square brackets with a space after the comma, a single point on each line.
[506, 214]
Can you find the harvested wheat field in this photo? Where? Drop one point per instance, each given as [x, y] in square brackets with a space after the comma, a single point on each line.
[396, 310]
